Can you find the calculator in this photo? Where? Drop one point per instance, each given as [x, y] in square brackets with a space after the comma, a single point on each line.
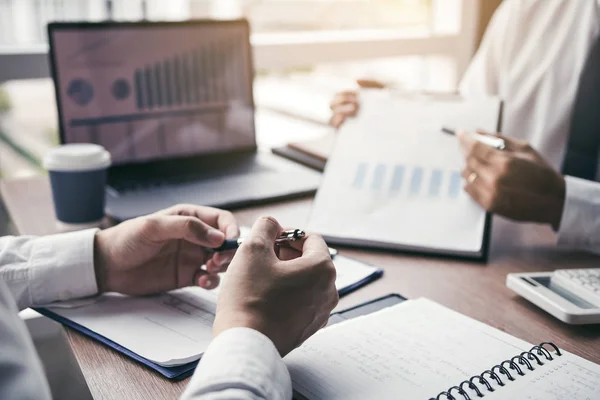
[571, 295]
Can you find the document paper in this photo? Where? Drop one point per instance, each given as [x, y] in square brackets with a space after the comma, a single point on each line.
[172, 328]
[416, 350]
[394, 179]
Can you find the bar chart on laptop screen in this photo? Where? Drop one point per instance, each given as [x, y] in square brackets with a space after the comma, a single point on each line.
[411, 181]
[148, 93]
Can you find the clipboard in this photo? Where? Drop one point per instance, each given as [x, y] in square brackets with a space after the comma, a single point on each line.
[185, 370]
[394, 182]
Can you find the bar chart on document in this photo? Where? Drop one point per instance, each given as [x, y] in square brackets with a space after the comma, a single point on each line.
[395, 180]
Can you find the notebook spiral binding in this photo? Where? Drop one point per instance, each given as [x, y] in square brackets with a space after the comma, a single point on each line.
[481, 383]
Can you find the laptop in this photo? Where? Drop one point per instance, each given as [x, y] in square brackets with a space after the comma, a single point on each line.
[173, 104]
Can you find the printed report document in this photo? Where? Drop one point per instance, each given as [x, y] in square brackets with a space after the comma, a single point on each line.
[394, 179]
[173, 328]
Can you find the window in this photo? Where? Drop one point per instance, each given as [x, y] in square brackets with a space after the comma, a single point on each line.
[311, 15]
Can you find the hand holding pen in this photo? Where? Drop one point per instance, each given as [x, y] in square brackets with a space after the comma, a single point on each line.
[286, 236]
[510, 178]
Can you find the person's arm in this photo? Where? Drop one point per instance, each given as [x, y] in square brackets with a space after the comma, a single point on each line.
[270, 303]
[46, 269]
[37, 271]
[483, 74]
[136, 257]
[240, 363]
[580, 222]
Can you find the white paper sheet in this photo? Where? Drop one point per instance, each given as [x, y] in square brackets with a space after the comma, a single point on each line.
[169, 329]
[418, 349]
[394, 178]
[348, 273]
[173, 328]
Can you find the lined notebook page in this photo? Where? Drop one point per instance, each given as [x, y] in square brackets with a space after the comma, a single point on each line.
[411, 351]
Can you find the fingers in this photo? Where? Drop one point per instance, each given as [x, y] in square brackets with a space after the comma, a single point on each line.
[261, 240]
[343, 98]
[314, 252]
[512, 144]
[466, 140]
[337, 120]
[287, 252]
[160, 228]
[190, 272]
[266, 229]
[314, 243]
[370, 83]
[219, 262]
[219, 219]
[484, 172]
[480, 194]
[207, 281]
[343, 105]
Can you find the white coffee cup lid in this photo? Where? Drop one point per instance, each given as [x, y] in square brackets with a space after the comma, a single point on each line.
[77, 157]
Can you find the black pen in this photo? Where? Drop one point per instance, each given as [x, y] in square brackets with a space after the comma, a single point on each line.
[286, 236]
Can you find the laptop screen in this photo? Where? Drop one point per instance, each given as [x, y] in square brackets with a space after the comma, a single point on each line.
[151, 91]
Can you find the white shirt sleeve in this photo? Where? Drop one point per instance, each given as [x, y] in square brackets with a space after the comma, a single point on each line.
[580, 222]
[483, 74]
[49, 268]
[240, 363]
[37, 271]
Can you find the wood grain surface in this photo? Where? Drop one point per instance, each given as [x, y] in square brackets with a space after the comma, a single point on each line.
[474, 289]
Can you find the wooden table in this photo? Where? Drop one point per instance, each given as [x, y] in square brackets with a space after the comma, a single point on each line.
[474, 289]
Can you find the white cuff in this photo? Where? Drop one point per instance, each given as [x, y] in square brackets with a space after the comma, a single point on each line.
[580, 222]
[241, 363]
[62, 267]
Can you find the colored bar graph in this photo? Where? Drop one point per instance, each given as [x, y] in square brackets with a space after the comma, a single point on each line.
[359, 177]
[177, 89]
[196, 74]
[378, 176]
[158, 79]
[397, 179]
[139, 94]
[168, 79]
[415, 181]
[455, 184]
[213, 73]
[186, 79]
[435, 182]
[149, 89]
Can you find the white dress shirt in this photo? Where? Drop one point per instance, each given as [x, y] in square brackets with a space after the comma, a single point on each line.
[532, 56]
[239, 364]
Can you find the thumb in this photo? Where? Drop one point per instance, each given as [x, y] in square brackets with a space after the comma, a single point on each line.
[265, 230]
[370, 84]
[160, 228]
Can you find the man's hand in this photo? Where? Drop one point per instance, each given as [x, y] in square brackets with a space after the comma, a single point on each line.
[345, 104]
[516, 182]
[164, 251]
[286, 294]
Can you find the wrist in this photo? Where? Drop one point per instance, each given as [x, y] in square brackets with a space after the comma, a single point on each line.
[226, 320]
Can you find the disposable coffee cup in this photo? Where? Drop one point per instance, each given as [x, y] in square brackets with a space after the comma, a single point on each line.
[78, 179]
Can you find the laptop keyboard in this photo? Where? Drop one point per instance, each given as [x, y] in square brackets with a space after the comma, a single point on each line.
[123, 185]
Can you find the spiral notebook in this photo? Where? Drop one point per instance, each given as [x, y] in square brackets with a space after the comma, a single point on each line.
[422, 350]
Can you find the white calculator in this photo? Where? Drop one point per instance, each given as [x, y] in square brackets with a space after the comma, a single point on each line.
[571, 295]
